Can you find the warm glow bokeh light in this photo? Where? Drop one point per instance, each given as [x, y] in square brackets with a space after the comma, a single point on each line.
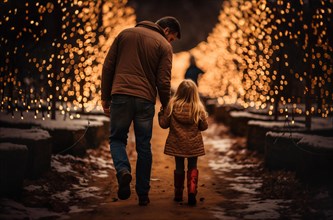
[273, 55]
[258, 54]
[73, 66]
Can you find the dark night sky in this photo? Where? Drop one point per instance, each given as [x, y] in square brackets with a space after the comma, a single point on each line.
[197, 17]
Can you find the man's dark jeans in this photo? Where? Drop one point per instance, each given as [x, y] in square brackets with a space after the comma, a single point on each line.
[126, 109]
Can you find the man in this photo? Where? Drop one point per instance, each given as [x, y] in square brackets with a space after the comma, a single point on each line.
[137, 66]
[193, 71]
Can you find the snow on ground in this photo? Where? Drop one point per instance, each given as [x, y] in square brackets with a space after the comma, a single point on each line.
[31, 134]
[60, 123]
[65, 169]
[297, 131]
[246, 186]
[61, 168]
[317, 123]
[77, 209]
[275, 124]
[251, 192]
[250, 115]
[315, 141]
[13, 210]
[64, 189]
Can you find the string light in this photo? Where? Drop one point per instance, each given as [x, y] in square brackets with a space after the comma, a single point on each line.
[259, 53]
[68, 59]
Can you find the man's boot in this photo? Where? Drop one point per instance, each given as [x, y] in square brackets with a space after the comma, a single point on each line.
[124, 180]
[179, 178]
[192, 184]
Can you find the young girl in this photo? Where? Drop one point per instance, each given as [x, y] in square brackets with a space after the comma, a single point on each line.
[186, 117]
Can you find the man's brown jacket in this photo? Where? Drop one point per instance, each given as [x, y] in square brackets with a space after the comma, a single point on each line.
[139, 64]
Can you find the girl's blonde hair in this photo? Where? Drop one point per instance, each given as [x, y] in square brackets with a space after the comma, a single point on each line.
[187, 92]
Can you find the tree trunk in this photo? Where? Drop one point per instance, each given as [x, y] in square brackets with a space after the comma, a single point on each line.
[308, 102]
[56, 62]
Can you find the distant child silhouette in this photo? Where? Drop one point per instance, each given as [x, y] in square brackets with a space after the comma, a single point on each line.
[192, 72]
[186, 117]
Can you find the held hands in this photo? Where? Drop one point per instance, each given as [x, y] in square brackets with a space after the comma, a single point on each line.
[106, 107]
[161, 112]
[163, 119]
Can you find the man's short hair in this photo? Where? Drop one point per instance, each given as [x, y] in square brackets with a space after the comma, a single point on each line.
[170, 22]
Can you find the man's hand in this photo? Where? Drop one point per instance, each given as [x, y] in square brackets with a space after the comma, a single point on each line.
[161, 112]
[106, 107]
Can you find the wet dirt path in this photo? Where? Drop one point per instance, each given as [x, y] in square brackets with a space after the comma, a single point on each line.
[232, 185]
[161, 194]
